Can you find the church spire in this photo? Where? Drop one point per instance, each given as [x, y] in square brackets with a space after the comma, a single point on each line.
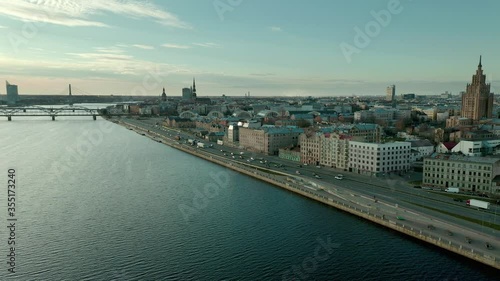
[194, 89]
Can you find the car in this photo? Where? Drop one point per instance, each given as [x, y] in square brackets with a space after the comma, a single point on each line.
[305, 164]
[458, 200]
[297, 172]
[317, 176]
[338, 178]
[425, 187]
[417, 186]
[318, 167]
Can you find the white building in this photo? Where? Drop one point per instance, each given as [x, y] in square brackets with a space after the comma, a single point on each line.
[421, 149]
[478, 148]
[378, 159]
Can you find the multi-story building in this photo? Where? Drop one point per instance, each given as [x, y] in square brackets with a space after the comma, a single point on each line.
[310, 143]
[390, 93]
[365, 132]
[186, 94]
[334, 150]
[269, 139]
[457, 121]
[478, 147]
[178, 122]
[468, 173]
[421, 149]
[12, 93]
[477, 101]
[382, 114]
[379, 158]
[233, 133]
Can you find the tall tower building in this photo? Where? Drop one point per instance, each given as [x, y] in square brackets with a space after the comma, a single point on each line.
[391, 94]
[477, 101]
[12, 93]
[186, 93]
[193, 91]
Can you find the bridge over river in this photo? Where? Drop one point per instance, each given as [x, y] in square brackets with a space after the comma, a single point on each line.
[70, 110]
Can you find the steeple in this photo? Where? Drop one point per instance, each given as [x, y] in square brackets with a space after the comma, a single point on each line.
[163, 95]
[480, 62]
[194, 88]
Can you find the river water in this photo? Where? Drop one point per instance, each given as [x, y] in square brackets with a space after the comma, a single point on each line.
[95, 201]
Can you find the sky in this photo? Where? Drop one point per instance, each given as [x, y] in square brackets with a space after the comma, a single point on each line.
[232, 47]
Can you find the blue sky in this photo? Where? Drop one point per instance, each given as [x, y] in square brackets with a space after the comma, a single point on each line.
[267, 48]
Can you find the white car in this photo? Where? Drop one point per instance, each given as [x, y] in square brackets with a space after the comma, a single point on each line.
[338, 177]
[317, 176]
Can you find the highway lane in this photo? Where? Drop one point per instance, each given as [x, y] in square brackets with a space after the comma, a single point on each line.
[395, 194]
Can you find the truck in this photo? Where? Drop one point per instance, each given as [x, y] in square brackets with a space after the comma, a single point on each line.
[219, 142]
[478, 203]
[452, 190]
[201, 145]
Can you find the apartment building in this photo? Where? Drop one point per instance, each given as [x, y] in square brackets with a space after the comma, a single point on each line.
[468, 173]
[334, 150]
[269, 139]
[310, 143]
[379, 158]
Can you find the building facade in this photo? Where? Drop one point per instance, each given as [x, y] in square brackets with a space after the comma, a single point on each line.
[376, 159]
[335, 150]
[12, 93]
[186, 94]
[469, 174]
[390, 93]
[269, 139]
[477, 101]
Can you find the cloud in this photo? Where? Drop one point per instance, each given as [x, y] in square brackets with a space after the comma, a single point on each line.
[145, 47]
[262, 74]
[77, 13]
[207, 45]
[174, 46]
[275, 28]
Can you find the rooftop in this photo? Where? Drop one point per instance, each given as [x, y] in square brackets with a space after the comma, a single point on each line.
[463, 158]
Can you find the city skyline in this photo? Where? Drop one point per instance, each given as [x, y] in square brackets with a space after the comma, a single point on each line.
[234, 47]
